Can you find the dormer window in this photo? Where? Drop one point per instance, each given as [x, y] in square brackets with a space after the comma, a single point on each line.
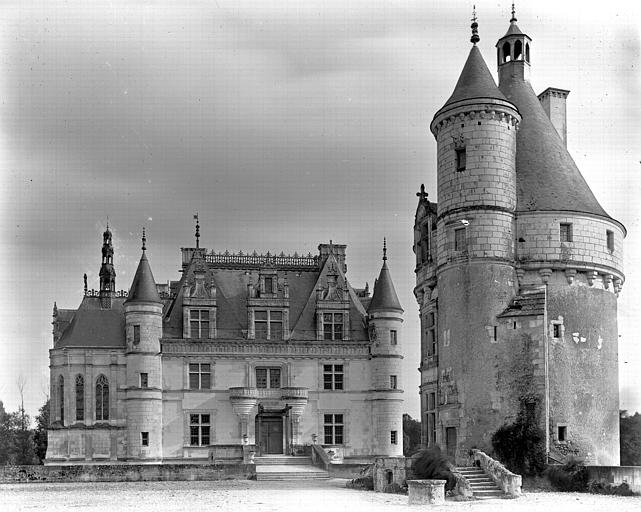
[332, 326]
[268, 325]
[199, 323]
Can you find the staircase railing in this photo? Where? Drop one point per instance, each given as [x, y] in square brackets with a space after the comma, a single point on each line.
[510, 483]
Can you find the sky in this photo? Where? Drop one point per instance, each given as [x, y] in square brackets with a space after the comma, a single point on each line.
[284, 124]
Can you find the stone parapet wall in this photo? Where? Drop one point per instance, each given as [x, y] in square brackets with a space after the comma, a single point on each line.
[125, 473]
[510, 483]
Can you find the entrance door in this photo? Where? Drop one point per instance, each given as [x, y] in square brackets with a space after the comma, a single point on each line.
[271, 434]
[450, 441]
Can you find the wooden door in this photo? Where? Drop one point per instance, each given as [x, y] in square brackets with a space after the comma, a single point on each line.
[271, 433]
[450, 441]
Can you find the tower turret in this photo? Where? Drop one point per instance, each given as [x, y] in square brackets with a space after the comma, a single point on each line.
[107, 272]
[476, 150]
[385, 316]
[143, 324]
[513, 52]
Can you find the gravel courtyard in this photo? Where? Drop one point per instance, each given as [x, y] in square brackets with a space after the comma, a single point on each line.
[237, 495]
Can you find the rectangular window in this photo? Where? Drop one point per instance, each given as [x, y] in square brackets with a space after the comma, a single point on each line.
[562, 433]
[144, 438]
[136, 334]
[393, 382]
[460, 241]
[144, 380]
[557, 330]
[199, 376]
[333, 428]
[199, 429]
[199, 323]
[461, 159]
[333, 376]
[268, 325]
[269, 285]
[393, 437]
[333, 326]
[495, 333]
[430, 320]
[393, 337]
[609, 235]
[431, 419]
[268, 378]
[565, 232]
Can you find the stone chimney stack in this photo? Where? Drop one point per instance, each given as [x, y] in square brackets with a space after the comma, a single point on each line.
[553, 102]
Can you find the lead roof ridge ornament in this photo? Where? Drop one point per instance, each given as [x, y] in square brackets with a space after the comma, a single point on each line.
[475, 33]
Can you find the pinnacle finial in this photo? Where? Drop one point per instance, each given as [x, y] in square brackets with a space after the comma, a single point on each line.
[513, 19]
[197, 231]
[475, 32]
[144, 240]
[384, 249]
[422, 194]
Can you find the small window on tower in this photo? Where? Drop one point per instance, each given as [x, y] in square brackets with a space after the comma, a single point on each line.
[562, 433]
[461, 159]
[557, 330]
[460, 242]
[144, 438]
[393, 335]
[394, 437]
[610, 240]
[136, 334]
[393, 381]
[565, 232]
[144, 380]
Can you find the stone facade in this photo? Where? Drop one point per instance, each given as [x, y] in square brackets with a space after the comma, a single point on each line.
[255, 353]
[517, 269]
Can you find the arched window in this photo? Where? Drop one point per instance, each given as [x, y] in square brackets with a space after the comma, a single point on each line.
[102, 399]
[518, 50]
[506, 52]
[527, 52]
[61, 398]
[80, 398]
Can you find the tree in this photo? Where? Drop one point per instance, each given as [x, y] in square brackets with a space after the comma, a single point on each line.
[411, 435]
[630, 434]
[40, 433]
[6, 435]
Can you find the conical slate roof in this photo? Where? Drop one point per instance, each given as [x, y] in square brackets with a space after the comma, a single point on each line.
[143, 288]
[513, 30]
[475, 81]
[384, 297]
[546, 176]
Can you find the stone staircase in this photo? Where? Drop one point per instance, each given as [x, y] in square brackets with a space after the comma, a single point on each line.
[284, 467]
[482, 485]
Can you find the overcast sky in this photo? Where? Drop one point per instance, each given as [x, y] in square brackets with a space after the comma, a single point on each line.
[284, 124]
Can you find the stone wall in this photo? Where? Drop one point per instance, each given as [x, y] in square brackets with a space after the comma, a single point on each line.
[617, 475]
[125, 473]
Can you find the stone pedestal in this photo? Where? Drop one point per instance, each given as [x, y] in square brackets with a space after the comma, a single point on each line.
[426, 492]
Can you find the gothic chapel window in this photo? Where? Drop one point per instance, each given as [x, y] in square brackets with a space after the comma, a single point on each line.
[80, 398]
[102, 399]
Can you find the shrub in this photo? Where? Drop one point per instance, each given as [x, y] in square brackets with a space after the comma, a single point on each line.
[572, 476]
[432, 464]
[365, 483]
[618, 490]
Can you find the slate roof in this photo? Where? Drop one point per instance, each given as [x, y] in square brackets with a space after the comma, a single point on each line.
[527, 303]
[546, 176]
[475, 82]
[91, 326]
[143, 287]
[384, 297]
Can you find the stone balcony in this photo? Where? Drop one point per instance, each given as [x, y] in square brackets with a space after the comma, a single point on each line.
[286, 393]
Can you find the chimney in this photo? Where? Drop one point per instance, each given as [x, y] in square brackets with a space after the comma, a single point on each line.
[553, 102]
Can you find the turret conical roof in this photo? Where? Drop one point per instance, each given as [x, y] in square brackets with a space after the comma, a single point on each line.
[384, 297]
[143, 288]
[547, 178]
[474, 82]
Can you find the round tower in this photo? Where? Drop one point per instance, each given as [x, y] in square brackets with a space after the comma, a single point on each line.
[385, 316]
[567, 245]
[476, 150]
[143, 324]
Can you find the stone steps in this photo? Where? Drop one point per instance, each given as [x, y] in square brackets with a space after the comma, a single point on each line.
[282, 467]
[482, 485]
[282, 460]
